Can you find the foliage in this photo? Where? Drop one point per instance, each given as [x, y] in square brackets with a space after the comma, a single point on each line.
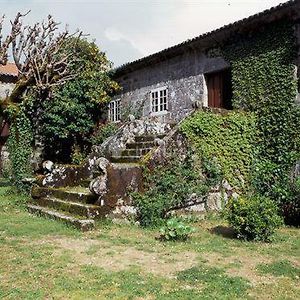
[253, 218]
[169, 186]
[264, 82]
[20, 147]
[77, 155]
[175, 230]
[103, 132]
[226, 139]
[69, 119]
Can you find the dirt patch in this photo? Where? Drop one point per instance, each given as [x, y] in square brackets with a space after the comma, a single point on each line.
[118, 258]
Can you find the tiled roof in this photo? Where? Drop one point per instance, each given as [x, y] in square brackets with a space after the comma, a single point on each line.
[9, 69]
[232, 26]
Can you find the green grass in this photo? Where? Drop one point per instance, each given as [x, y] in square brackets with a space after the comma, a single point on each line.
[218, 285]
[44, 259]
[280, 268]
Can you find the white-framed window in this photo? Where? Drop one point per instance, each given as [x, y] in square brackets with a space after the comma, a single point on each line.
[114, 112]
[159, 100]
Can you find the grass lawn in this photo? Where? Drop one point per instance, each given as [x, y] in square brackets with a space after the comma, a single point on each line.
[43, 259]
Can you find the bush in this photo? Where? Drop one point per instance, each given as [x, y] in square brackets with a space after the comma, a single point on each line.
[77, 155]
[253, 218]
[176, 230]
[151, 210]
[291, 207]
[103, 132]
[168, 187]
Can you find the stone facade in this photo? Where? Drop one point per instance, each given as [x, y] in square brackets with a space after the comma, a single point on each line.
[184, 78]
[182, 69]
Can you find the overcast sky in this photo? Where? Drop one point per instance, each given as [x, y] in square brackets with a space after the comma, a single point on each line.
[130, 29]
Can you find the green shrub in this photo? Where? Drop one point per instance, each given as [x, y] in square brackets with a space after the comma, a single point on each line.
[175, 230]
[168, 187]
[77, 155]
[20, 149]
[103, 132]
[291, 207]
[253, 218]
[151, 210]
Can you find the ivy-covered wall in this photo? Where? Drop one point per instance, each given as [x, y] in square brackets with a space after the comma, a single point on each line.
[228, 140]
[263, 66]
[264, 81]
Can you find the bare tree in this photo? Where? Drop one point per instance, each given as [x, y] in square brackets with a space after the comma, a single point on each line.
[37, 53]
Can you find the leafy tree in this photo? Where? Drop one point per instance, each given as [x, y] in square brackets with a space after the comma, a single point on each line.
[36, 52]
[69, 119]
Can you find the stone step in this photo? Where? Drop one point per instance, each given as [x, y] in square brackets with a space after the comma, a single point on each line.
[89, 211]
[140, 145]
[75, 194]
[125, 159]
[147, 138]
[82, 224]
[136, 152]
[144, 138]
[126, 165]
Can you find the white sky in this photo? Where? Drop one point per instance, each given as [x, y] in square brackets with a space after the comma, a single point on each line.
[130, 29]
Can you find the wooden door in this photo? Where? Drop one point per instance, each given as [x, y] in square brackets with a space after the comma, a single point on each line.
[215, 86]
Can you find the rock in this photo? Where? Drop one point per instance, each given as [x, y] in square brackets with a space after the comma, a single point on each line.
[226, 185]
[48, 166]
[235, 195]
[131, 118]
[102, 164]
[98, 185]
[214, 202]
[29, 180]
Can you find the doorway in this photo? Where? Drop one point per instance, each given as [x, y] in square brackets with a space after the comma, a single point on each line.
[219, 88]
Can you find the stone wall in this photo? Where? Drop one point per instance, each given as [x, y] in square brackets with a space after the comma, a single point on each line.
[183, 76]
[5, 88]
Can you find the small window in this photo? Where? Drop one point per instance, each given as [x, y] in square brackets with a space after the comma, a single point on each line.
[114, 114]
[159, 100]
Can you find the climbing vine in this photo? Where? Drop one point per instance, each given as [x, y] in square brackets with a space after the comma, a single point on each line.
[170, 186]
[226, 139]
[264, 81]
[20, 146]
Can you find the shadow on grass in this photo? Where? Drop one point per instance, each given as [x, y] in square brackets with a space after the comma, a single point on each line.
[224, 231]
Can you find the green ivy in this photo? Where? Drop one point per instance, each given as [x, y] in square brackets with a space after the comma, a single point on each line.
[264, 81]
[168, 186]
[226, 139]
[20, 147]
[103, 132]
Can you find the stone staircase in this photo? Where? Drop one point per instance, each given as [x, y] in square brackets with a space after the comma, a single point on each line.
[73, 205]
[65, 194]
[136, 149]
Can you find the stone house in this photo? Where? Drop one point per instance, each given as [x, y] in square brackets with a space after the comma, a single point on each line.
[8, 79]
[162, 89]
[171, 83]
